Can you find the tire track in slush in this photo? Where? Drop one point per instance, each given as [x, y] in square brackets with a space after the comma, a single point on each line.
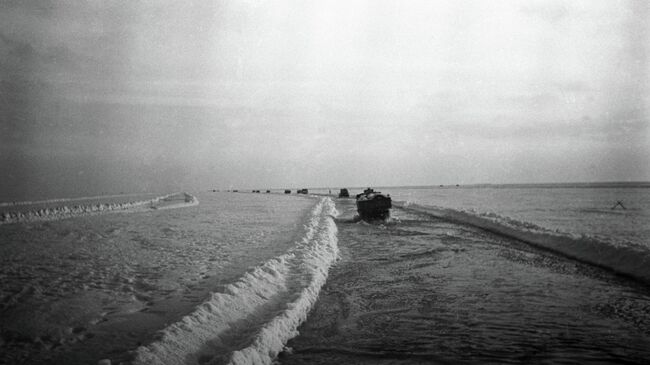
[457, 294]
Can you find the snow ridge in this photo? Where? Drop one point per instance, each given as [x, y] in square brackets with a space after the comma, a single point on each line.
[168, 201]
[251, 320]
[626, 259]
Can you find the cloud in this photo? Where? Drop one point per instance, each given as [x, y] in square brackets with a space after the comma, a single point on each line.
[299, 92]
[552, 12]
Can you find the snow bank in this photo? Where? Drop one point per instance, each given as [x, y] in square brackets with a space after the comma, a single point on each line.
[626, 259]
[62, 200]
[67, 211]
[266, 305]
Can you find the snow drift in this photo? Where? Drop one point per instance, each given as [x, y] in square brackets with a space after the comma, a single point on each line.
[169, 201]
[251, 320]
[625, 259]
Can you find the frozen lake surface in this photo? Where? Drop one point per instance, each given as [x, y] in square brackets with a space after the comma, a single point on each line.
[237, 279]
[98, 286]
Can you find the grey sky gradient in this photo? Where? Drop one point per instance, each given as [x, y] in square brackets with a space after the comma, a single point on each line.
[109, 96]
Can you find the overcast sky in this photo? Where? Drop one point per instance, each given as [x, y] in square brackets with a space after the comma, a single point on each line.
[109, 96]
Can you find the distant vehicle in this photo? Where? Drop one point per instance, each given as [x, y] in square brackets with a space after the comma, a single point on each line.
[303, 191]
[268, 191]
[235, 191]
[344, 193]
[373, 204]
[287, 191]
